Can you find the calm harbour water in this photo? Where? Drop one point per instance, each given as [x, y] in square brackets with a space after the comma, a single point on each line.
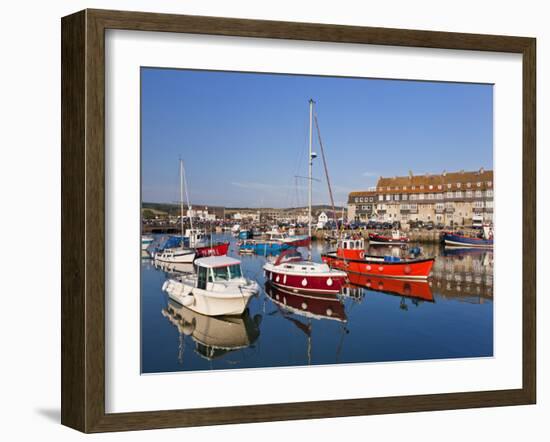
[449, 317]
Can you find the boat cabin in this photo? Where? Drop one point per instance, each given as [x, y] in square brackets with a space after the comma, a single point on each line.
[213, 269]
[352, 248]
[196, 237]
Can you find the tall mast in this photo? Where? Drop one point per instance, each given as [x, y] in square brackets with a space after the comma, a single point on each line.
[187, 196]
[310, 172]
[181, 201]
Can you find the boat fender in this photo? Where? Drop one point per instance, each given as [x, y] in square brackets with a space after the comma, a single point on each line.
[165, 285]
[188, 301]
[304, 282]
[361, 254]
[329, 312]
[304, 306]
[329, 282]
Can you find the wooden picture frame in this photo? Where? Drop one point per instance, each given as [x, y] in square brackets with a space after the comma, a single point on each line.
[83, 219]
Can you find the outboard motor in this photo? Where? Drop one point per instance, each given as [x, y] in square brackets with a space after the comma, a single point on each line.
[415, 251]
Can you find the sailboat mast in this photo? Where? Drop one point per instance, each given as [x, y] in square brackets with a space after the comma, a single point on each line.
[181, 201]
[310, 172]
[187, 197]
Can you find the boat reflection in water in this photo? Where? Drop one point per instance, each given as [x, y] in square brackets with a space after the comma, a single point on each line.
[216, 336]
[311, 307]
[314, 306]
[409, 289]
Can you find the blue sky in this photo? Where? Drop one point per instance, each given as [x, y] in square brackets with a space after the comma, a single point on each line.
[244, 137]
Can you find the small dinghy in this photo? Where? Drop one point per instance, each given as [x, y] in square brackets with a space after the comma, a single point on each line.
[217, 289]
[395, 238]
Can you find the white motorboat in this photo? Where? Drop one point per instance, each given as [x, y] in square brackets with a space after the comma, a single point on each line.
[218, 288]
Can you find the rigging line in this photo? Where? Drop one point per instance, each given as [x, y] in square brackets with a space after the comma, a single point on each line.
[326, 169]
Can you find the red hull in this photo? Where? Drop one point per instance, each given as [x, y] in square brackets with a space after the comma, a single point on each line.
[306, 284]
[409, 289]
[406, 269]
[319, 307]
[387, 239]
[218, 249]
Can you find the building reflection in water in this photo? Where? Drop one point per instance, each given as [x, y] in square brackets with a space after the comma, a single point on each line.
[464, 274]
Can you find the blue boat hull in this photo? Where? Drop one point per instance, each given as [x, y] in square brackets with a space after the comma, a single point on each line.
[264, 248]
[454, 240]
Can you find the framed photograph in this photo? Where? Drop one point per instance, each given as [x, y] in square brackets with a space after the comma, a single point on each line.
[265, 220]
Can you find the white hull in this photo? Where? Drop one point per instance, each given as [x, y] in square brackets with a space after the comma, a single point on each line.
[176, 256]
[231, 301]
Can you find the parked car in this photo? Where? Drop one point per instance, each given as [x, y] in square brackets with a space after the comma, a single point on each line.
[429, 225]
[440, 226]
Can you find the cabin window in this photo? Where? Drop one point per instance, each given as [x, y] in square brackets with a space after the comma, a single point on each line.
[235, 271]
[202, 278]
[345, 245]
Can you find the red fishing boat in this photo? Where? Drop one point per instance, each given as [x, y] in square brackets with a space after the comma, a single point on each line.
[216, 249]
[395, 238]
[416, 289]
[350, 256]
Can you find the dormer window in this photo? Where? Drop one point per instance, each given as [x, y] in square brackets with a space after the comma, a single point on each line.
[404, 187]
[478, 184]
[430, 187]
[439, 186]
[458, 185]
[468, 184]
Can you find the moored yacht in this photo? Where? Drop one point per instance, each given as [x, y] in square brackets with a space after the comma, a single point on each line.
[305, 276]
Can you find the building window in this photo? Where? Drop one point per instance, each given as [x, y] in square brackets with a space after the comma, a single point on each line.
[356, 199]
[371, 199]
[439, 206]
[389, 188]
[478, 204]
[431, 196]
[468, 184]
[420, 196]
[413, 187]
[396, 197]
[422, 187]
[388, 197]
[478, 193]
[405, 197]
[449, 186]
[459, 194]
[489, 204]
[490, 193]
[404, 187]
[450, 194]
[489, 183]
[478, 184]
[469, 194]
[380, 197]
[458, 185]
[439, 196]
[439, 186]
[430, 187]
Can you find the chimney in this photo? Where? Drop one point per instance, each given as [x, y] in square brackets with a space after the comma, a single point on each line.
[410, 174]
[481, 170]
[444, 173]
